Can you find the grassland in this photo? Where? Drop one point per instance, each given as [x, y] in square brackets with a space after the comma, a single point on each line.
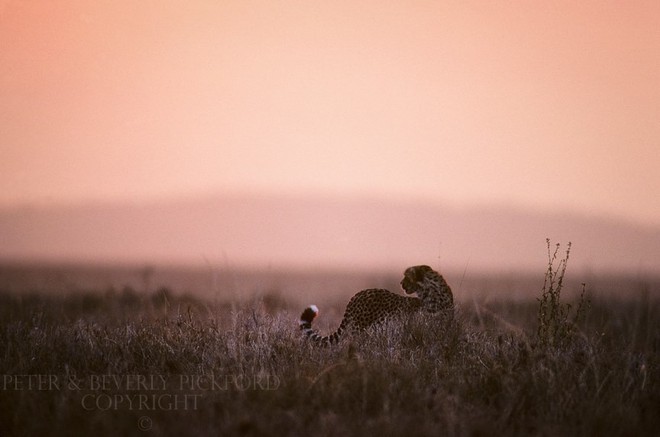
[122, 362]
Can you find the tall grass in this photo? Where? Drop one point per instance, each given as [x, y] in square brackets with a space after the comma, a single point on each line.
[556, 327]
[418, 376]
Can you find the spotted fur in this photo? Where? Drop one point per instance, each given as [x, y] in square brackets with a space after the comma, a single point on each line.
[374, 305]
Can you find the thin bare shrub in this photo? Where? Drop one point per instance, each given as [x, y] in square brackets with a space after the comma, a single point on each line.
[557, 324]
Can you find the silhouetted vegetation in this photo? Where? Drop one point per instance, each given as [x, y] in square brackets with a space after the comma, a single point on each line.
[504, 368]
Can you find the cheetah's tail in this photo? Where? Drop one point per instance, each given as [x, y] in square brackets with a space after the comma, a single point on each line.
[306, 318]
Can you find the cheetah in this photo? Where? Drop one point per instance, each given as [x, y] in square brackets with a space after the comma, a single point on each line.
[374, 305]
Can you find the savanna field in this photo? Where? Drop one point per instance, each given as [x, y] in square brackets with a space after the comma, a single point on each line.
[158, 351]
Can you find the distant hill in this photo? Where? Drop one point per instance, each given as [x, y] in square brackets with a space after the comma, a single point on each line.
[323, 232]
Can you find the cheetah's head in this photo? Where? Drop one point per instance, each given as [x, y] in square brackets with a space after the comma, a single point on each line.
[418, 277]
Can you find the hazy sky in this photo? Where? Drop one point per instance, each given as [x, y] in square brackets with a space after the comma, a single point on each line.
[546, 104]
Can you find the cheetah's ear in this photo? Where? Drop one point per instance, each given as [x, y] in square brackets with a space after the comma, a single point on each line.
[421, 271]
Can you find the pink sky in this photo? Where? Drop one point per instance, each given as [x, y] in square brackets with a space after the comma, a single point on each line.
[551, 105]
